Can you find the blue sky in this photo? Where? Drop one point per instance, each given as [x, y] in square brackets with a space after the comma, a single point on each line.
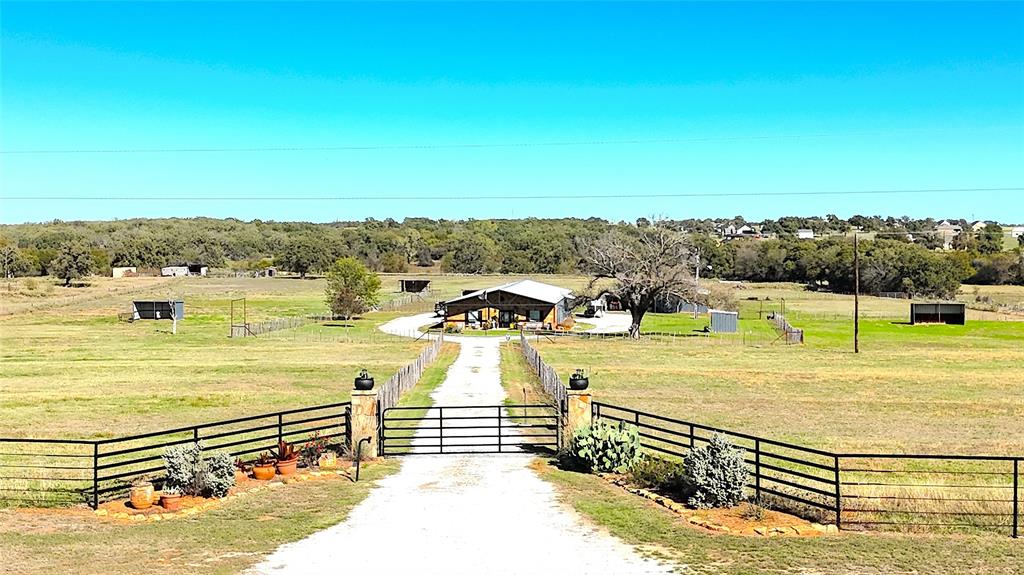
[752, 98]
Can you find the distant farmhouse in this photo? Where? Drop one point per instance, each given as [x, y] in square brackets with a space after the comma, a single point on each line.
[947, 231]
[526, 304]
[805, 234]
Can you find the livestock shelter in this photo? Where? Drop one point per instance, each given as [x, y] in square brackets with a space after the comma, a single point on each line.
[413, 285]
[525, 304]
[158, 309]
[949, 313]
[724, 321]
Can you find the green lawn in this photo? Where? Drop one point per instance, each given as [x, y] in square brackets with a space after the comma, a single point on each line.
[77, 372]
[925, 388]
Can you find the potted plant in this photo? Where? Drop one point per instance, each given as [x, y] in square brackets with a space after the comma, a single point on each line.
[363, 381]
[242, 470]
[578, 381]
[141, 494]
[263, 467]
[287, 458]
[170, 499]
[327, 460]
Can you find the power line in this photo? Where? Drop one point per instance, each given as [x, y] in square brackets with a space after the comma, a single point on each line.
[508, 196]
[470, 145]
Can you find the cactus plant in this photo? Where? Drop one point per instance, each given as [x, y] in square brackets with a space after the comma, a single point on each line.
[604, 447]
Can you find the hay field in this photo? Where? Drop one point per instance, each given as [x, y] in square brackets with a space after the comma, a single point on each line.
[74, 371]
[925, 388]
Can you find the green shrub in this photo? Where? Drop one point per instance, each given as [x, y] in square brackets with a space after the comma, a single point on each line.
[190, 474]
[184, 465]
[604, 447]
[716, 473]
[662, 475]
[219, 475]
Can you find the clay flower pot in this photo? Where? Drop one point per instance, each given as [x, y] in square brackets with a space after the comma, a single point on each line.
[141, 495]
[170, 501]
[287, 467]
[327, 460]
[240, 476]
[263, 472]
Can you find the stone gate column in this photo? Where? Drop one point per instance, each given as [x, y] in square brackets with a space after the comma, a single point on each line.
[364, 422]
[578, 411]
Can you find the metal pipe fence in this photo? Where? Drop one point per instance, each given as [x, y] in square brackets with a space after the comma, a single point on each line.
[791, 334]
[856, 490]
[60, 472]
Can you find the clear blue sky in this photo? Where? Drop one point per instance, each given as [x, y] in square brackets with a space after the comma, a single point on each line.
[880, 96]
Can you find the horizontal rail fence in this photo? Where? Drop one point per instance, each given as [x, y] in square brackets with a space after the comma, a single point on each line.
[549, 379]
[45, 472]
[462, 429]
[799, 479]
[883, 491]
[856, 490]
[792, 335]
[91, 471]
[391, 391]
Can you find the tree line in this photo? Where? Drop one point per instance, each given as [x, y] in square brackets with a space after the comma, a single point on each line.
[893, 262]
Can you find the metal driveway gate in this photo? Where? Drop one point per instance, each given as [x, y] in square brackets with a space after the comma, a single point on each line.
[462, 429]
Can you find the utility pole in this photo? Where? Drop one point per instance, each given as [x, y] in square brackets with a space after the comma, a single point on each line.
[696, 285]
[856, 293]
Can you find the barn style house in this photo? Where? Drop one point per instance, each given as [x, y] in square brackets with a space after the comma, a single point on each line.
[525, 304]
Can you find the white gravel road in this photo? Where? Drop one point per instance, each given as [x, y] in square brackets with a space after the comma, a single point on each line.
[462, 514]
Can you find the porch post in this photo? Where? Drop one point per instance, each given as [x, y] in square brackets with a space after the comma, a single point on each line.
[364, 422]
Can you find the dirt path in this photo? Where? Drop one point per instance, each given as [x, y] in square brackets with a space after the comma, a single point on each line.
[462, 514]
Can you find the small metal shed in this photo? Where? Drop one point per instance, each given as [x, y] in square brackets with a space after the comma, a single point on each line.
[950, 313]
[724, 321]
[413, 285]
[158, 309]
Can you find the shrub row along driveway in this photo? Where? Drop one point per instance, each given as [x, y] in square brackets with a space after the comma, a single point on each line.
[462, 514]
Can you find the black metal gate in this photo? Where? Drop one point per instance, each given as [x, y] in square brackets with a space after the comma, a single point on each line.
[466, 429]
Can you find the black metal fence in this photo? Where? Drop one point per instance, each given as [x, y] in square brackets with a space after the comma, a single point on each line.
[466, 429]
[61, 472]
[856, 490]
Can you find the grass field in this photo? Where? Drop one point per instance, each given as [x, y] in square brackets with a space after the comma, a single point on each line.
[662, 533]
[75, 371]
[925, 388]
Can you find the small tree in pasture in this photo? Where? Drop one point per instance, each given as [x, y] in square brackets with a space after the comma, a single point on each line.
[351, 288]
[72, 262]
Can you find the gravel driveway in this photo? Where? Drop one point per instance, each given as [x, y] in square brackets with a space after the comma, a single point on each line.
[462, 514]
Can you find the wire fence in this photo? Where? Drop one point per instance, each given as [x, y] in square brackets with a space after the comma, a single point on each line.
[790, 334]
[391, 391]
[549, 379]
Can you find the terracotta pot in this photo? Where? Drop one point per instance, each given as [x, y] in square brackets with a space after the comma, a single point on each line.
[287, 467]
[170, 502]
[141, 496]
[327, 460]
[240, 476]
[263, 472]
